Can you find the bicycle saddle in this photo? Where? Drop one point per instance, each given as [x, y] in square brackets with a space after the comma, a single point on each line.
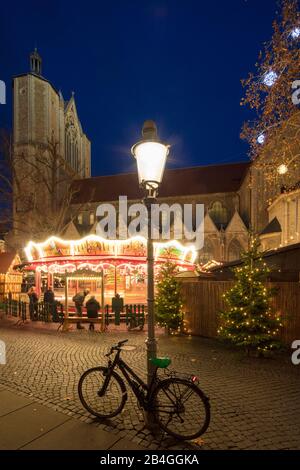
[161, 362]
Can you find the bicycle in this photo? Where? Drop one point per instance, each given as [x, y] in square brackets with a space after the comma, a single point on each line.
[178, 405]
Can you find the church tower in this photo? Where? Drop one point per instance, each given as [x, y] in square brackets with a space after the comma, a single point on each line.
[43, 124]
[35, 63]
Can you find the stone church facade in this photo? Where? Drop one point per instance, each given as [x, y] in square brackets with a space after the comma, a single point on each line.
[43, 123]
[221, 188]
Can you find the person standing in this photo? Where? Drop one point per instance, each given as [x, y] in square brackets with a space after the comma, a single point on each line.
[49, 301]
[33, 303]
[92, 307]
[49, 296]
[78, 300]
[117, 305]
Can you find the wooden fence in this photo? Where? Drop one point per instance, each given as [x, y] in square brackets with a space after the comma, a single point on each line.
[203, 302]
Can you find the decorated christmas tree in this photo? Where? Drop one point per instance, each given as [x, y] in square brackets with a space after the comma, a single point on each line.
[168, 298]
[248, 320]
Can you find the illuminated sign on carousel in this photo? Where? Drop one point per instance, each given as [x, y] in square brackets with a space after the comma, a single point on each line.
[95, 253]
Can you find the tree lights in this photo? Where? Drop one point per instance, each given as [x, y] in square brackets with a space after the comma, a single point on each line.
[169, 301]
[247, 320]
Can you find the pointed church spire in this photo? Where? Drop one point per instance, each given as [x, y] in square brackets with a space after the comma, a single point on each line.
[35, 62]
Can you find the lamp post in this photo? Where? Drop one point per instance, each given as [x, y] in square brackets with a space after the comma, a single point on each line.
[151, 155]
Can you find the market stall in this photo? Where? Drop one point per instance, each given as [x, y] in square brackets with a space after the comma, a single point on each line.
[10, 279]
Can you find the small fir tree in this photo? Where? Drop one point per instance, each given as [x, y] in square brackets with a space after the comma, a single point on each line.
[248, 320]
[168, 300]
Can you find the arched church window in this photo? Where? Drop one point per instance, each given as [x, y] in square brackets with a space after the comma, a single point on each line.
[65, 146]
[218, 212]
[70, 150]
[234, 250]
[76, 163]
[92, 218]
[207, 252]
[72, 153]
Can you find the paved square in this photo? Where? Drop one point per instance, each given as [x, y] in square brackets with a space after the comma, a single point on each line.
[254, 402]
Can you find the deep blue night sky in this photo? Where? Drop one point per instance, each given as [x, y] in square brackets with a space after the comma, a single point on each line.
[178, 62]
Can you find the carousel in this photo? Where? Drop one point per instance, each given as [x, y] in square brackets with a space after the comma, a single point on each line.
[105, 267]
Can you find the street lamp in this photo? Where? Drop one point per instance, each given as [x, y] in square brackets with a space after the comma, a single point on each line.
[151, 155]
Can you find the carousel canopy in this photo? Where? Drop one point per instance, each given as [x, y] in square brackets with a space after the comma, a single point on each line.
[93, 252]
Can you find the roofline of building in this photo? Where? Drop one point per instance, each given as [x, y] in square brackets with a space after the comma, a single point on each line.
[37, 76]
[247, 163]
[265, 254]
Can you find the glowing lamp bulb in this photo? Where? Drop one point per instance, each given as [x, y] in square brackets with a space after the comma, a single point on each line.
[261, 139]
[282, 169]
[295, 33]
[270, 78]
[151, 155]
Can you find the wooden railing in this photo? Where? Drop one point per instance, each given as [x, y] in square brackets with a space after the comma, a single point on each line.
[133, 314]
[204, 300]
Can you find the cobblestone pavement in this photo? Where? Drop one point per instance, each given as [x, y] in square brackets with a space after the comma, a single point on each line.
[255, 403]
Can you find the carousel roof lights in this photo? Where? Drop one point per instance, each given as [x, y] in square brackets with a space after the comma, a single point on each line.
[51, 241]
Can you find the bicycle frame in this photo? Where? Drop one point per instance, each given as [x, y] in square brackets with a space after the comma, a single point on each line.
[133, 380]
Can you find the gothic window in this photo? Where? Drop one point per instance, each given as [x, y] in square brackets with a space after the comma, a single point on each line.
[218, 212]
[80, 218]
[72, 153]
[65, 146]
[207, 252]
[71, 143]
[92, 218]
[76, 157]
[68, 148]
[234, 250]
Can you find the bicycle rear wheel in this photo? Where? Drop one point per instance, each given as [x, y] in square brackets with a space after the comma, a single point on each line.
[181, 409]
[108, 405]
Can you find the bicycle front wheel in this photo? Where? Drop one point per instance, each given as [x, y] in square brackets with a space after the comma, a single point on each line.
[181, 409]
[114, 399]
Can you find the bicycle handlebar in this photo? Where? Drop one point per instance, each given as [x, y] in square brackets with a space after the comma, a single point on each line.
[117, 347]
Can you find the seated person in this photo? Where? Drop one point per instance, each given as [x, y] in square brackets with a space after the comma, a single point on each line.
[92, 307]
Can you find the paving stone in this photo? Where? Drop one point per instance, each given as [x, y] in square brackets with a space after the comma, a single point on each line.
[254, 403]
[27, 424]
[9, 402]
[73, 435]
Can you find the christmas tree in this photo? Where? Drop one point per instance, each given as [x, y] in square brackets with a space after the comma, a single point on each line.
[248, 320]
[168, 298]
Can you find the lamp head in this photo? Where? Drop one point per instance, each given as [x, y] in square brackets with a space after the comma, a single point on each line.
[149, 131]
[151, 155]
